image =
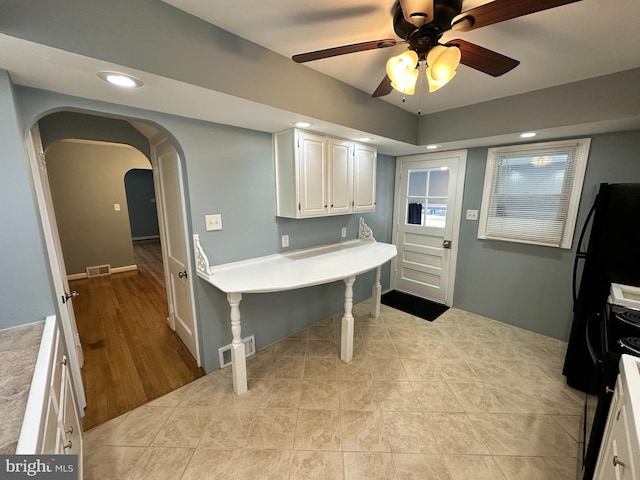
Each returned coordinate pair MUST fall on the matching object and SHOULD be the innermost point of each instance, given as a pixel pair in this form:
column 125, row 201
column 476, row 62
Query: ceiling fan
column 421, row 24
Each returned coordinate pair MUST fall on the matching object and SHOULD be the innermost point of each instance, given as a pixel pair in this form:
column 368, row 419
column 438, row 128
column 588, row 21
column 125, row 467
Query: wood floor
column 131, row 355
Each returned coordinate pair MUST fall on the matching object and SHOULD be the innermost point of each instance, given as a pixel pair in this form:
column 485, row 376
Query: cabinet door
column 51, row 438
column 364, row 166
column 71, row 424
column 312, row 164
column 340, row 176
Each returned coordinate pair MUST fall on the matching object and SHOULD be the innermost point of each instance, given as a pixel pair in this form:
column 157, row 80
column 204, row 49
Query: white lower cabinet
column 52, row 422
column 619, row 455
column 318, row 176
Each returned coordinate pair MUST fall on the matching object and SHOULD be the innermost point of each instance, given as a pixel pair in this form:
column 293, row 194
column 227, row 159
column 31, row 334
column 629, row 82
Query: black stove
column 621, row 334
column 630, row 345
column 621, row 323
column 628, row 317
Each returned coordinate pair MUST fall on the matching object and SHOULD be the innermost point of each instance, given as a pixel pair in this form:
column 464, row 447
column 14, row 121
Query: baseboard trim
column 126, row 268
column 150, row 237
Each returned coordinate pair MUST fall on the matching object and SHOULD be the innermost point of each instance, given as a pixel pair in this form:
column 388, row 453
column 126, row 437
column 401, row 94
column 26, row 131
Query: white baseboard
column 126, row 268
column 76, row 276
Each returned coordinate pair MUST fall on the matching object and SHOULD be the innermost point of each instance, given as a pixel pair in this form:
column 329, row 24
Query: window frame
column 580, row 148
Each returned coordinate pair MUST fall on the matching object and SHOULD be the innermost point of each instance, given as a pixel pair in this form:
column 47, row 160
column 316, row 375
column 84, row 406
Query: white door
column 175, row 245
column 63, row 294
column 426, row 223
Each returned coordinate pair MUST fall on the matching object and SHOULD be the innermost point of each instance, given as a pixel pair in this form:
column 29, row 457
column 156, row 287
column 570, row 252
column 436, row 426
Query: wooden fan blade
column 333, row 52
column 501, row 10
column 482, row 59
column 384, row 88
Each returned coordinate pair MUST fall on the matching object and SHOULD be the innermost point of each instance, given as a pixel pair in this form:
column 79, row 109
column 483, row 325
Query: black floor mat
column 425, row 309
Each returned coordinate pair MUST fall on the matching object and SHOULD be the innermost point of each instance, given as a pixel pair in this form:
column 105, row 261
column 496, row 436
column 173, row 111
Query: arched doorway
column 125, row 365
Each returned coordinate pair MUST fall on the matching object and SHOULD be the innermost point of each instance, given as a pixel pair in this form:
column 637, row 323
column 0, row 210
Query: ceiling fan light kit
column 442, row 63
column 402, row 71
column 422, row 23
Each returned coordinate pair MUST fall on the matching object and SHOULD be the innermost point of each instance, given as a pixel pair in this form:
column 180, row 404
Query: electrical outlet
column 285, row 241
column 213, row 222
column 116, row 207
column 472, row 214
column 343, row 232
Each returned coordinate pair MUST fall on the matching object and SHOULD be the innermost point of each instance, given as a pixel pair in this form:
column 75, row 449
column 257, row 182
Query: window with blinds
column 531, row 192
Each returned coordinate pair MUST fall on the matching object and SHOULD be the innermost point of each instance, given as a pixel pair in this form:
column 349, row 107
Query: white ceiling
column 573, row 42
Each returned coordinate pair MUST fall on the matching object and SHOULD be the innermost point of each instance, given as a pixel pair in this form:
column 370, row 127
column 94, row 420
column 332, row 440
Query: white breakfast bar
column 289, row 271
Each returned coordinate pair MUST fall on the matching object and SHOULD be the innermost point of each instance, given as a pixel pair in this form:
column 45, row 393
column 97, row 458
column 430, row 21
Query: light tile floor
column 460, row 398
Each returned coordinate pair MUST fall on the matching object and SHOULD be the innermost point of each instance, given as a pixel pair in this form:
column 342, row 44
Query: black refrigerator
column 612, row 255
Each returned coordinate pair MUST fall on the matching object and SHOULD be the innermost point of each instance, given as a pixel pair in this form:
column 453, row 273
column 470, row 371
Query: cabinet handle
column 70, row 430
column 608, row 389
column 617, row 462
column 67, row 445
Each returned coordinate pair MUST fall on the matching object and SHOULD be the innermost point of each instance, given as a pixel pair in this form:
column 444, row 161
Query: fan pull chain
column 420, row 81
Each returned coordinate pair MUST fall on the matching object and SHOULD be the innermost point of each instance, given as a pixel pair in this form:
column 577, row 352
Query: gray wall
column 25, row 292
column 230, row 171
column 141, row 203
column 527, row 285
column 86, row 180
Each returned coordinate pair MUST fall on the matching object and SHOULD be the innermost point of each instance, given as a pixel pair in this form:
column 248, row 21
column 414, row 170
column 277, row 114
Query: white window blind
column 531, row 192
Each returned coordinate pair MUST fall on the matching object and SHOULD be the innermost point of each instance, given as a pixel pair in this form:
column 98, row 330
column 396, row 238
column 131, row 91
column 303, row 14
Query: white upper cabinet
column 340, row 176
column 318, row 176
column 364, row 165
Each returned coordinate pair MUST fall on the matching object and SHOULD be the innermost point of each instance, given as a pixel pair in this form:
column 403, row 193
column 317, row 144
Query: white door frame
column 398, row 213
column 155, row 142
column 35, row 154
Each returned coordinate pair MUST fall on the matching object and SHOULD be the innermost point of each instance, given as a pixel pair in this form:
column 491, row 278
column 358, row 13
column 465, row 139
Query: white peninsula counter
column 293, row 270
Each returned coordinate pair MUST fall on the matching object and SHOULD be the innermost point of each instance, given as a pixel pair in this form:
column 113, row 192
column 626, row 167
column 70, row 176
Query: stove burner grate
column 630, row 345
column 629, row 317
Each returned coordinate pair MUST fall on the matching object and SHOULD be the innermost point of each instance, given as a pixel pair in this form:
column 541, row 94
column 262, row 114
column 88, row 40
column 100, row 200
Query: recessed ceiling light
column 528, row 135
column 121, row 79
column 302, row 124
column 365, row 139
column 433, row 147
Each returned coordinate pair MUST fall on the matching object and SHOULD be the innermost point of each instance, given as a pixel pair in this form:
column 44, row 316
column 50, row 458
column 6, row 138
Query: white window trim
column 582, row 145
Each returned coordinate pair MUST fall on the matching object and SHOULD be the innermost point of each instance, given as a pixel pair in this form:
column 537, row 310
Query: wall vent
column 98, row 271
column 225, row 352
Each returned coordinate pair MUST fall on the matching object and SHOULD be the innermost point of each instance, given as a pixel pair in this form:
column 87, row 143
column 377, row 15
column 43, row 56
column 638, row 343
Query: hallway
column 131, row 355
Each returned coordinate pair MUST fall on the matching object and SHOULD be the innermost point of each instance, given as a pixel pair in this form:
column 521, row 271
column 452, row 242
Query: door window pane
column 427, row 195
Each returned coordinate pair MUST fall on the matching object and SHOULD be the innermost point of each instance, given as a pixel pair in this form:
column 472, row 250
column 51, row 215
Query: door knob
column 182, row 274
column 446, row 244
column 69, row 296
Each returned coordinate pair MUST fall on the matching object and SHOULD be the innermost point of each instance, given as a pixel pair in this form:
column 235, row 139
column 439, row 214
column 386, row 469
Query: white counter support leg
column 238, row 360
column 346, row 343
column 376, row 293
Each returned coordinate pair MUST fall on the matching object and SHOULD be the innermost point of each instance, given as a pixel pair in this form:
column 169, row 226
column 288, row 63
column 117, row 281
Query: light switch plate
column 213, row 222
column 116, row 207
column 472, row 214
column 285, row 241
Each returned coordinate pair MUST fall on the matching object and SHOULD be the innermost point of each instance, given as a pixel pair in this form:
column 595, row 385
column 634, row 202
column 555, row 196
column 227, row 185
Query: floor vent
column 225, row 352
column 98, row 271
